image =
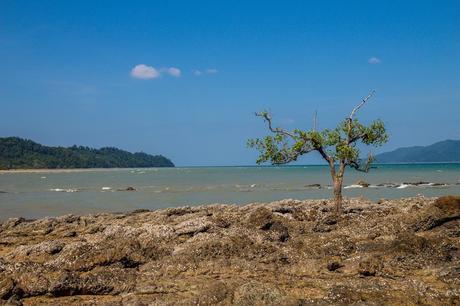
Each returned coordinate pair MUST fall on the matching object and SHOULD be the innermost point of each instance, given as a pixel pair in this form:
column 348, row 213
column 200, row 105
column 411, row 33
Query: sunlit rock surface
column 282, row 253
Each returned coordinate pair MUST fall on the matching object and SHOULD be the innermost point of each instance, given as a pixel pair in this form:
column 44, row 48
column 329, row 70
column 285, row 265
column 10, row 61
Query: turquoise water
column 34, row 195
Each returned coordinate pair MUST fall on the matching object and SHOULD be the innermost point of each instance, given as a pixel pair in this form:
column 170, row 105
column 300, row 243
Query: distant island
column 443, row 151
column 18, row 153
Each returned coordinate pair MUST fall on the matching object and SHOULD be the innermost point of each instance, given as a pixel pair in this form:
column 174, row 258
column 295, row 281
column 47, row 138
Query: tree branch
column 363, row 101
column 353, row 139
column 277, row 130
column 314, row 120
column 355, row 165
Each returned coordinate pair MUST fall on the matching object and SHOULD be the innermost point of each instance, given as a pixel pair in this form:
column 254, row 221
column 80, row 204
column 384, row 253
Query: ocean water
column 34, row 195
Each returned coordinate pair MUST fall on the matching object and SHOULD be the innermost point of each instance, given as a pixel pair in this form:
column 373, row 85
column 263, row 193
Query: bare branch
column 314, row 121
column 362, row 168
column 363, row 101
column 276, row 130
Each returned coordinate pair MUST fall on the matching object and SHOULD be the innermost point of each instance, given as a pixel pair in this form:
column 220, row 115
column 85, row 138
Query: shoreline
column 286, row 252
column 71, row 170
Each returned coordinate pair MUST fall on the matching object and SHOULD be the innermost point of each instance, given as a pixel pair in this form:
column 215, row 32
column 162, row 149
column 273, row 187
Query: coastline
column 279, row 253
column 70, row 170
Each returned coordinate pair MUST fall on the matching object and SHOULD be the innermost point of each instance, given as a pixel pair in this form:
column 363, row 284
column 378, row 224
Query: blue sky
column 68, row 72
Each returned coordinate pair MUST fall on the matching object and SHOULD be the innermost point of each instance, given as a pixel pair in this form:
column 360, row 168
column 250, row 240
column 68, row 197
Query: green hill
column 18, row 153
column 443, row 151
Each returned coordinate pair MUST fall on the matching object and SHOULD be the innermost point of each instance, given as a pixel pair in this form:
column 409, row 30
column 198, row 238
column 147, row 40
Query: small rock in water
column 130, row 188
column 362, row 183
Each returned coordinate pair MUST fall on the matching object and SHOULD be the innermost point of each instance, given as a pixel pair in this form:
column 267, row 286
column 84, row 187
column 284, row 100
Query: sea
column 52, row 193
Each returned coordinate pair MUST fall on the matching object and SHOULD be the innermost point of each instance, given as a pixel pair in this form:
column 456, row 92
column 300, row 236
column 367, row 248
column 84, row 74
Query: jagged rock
column 179, row 211
column 12, row 222
column 370, row 266
column 260, row 217
column 283, row 210
column 255, row 293
column 6, row 287
column 193, row 226
column 272, row 253
column 70, row 234
column 332, row 266
column 443, row 210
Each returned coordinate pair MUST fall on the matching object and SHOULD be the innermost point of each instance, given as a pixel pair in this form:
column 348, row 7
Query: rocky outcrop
column 289, row 252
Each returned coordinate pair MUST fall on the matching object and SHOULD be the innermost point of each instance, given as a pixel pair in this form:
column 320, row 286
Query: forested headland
column 19, row 153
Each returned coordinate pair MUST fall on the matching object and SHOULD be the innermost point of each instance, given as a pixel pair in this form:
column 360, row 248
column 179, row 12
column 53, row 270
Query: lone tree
column 338, row 147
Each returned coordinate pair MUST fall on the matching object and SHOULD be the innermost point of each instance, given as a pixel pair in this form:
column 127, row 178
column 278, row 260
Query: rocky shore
column 290, row 252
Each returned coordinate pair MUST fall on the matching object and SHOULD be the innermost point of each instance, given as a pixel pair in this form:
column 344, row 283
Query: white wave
column 64, row 190
column 352, row 186
column 402, row 186
column 253, row 185
column 43, row 177
column 106, row 188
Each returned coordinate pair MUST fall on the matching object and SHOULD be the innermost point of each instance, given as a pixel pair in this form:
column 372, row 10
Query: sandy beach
column 289, row 252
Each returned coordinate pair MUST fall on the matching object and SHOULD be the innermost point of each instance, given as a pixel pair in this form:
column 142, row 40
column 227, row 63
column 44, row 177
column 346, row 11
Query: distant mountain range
column 18, row 153
column 443, row 151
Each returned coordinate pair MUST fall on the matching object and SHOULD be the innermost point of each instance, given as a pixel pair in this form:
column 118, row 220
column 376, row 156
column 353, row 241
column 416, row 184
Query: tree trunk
column 338, row 194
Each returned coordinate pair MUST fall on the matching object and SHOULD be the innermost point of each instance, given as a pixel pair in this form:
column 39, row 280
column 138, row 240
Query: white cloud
column 173, row 71
column 144, row 72
column 206, row 71
column 211, row 71
column 374, row 60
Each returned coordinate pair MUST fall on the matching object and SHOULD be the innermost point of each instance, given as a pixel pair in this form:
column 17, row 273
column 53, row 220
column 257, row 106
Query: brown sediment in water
column 290, row 252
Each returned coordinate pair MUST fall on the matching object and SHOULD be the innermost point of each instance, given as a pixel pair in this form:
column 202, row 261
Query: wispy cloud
column 173, row 71
column 374, row 60
column 211, row 71
column 144, row 72
column 198, row 72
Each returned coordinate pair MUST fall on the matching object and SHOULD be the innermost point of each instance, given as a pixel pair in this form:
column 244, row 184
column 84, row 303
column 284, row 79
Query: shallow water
column 34, row 195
